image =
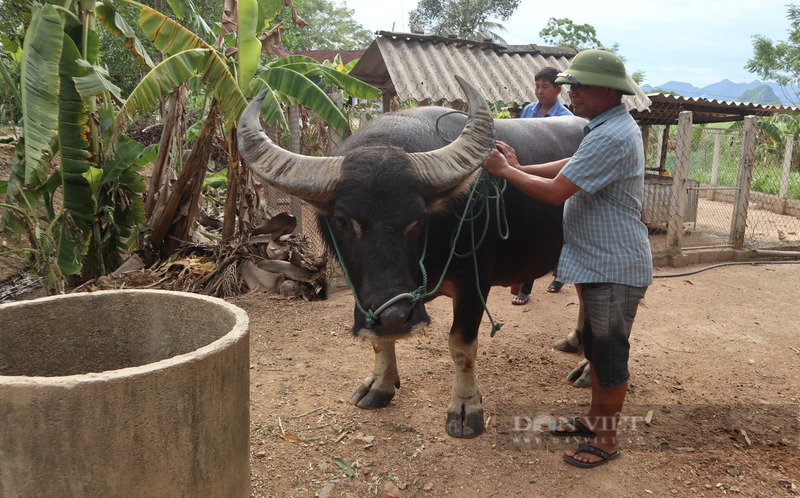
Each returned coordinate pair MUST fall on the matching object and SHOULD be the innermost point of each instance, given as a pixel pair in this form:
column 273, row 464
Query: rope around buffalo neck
column 485, row 189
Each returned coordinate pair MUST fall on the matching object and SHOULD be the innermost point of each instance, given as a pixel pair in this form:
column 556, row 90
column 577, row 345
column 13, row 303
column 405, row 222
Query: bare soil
column 714, row 356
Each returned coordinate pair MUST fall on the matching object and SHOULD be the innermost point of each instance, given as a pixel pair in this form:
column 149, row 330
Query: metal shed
column 420, row 67
column 664, row 109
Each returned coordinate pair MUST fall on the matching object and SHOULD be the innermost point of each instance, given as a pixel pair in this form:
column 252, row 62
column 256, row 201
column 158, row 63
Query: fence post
column 295, row 204
column 680, row 179
column 335, row 137
column 715, row 161
column 659, row 146
column 742, row 201
column 787, row 168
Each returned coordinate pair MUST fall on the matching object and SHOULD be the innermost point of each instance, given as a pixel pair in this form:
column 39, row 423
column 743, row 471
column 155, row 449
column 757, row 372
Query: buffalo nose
column 393, row 319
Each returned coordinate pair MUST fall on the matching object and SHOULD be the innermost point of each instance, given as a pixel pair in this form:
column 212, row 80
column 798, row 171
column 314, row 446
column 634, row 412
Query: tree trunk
column 182, row 206
column 173, row 126
column 231, row 201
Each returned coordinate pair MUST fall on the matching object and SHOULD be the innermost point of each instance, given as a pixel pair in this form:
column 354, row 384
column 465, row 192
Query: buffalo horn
column 444, row 168
column 309, row 178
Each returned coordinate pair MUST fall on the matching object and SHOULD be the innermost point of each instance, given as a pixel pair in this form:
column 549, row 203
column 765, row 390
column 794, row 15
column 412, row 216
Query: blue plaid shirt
column 604, row 237
column 532, row 111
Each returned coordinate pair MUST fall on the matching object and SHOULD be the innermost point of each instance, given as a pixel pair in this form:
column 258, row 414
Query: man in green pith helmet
column 606, row 253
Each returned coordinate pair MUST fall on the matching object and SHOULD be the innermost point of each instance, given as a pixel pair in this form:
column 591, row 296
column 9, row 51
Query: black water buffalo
column 397, row 178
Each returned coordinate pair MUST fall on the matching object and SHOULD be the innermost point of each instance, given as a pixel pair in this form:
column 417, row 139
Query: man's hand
column 496, row 164
column 499, row 163
column 509, row 152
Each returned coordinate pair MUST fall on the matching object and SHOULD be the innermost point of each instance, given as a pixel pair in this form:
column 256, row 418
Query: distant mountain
column 762, row 94
column 726, row 90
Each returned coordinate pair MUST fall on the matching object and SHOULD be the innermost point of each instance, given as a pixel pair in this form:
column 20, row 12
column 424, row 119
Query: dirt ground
column 714, row 357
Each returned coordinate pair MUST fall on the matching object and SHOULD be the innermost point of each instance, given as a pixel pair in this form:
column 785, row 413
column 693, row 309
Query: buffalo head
column 375, row 195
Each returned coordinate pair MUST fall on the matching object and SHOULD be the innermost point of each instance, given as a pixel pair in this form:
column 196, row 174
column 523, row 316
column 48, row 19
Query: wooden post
column 787, row 168
column 386, row 97
column 715, row 160
column 742, row 201
column 663, row 145
column 680, row 178
column 295, row 204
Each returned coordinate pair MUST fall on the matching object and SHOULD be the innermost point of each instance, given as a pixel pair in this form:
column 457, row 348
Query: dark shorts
column 609, row 310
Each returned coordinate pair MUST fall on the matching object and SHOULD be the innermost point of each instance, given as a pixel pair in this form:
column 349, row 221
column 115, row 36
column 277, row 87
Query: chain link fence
column 737, row 189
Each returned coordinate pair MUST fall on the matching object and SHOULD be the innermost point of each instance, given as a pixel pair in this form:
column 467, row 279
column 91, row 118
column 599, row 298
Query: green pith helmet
column 598, row 68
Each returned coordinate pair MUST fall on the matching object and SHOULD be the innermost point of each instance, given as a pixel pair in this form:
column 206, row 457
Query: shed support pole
column 715, row 161
column 680, row 178
column 663, row 145
column 742, row 201
column 387, row 101
column 787, row 169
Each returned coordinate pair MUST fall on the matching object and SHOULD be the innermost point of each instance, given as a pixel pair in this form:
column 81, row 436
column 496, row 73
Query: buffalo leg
column 378, row 388
column 465, row 413
column 581, row 375
column 573, row 342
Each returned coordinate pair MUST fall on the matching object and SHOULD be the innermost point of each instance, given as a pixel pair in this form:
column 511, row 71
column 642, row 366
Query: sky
column 694, row 41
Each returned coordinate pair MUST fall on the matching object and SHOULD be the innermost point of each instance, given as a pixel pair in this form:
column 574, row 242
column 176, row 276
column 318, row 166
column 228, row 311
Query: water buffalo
column 398, row 178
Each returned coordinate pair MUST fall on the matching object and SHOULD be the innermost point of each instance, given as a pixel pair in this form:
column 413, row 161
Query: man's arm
column 546, row 170
column 554, row 190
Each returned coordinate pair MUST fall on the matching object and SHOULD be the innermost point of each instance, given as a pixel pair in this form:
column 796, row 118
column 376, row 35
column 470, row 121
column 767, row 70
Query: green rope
column 485, row 189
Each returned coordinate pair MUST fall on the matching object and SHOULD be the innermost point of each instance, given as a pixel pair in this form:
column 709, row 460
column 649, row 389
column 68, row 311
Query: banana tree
column 231, row 71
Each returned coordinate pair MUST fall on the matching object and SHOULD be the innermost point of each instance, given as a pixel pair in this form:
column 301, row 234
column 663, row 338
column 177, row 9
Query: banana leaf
column 305, row 92
column 76, row 232
column 270, row 109
column 353, row 86
column 267, row 11
column 39, row 81
column 112, row 21
column 95, row 82
column 172, row 38
column 167, row 35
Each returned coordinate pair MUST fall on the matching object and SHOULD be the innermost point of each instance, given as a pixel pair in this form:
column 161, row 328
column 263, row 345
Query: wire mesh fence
column 720, row 187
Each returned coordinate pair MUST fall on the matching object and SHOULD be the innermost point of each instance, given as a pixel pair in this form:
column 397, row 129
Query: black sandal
column 520, row 299
column 582, row 431
column 588, row 448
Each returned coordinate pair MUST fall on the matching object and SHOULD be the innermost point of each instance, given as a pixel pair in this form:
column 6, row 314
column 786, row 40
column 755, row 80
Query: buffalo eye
column 340, row 222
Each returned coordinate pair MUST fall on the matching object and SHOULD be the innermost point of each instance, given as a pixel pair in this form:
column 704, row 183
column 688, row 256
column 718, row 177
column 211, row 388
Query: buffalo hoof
column 465, row 425
column 368, row 396
column 582, row 375
column 570, row 344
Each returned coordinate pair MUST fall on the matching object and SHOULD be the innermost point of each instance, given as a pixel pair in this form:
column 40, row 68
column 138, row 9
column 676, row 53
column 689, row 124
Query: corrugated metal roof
column 664, row 109
column 419, row 67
